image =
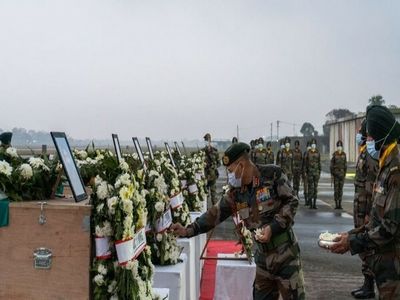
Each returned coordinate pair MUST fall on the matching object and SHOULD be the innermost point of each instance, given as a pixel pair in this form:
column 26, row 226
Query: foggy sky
column 178, row 69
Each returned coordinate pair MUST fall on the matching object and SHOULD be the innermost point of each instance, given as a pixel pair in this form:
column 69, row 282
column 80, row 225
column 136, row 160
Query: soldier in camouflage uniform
column 211, row 168
column 366, row 171
column 286, row 161
column 297, row 167
column 279, row 153
column 270, row 154
column 381, row 236
column 304, row 174
column 5, row 139
column 338, row 172
column 264, row 200
column 252, row 149
column 313, row 170
column 259, row 156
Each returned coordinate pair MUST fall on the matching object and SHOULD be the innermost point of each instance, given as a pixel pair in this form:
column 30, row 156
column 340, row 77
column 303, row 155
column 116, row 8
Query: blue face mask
column 371, row 149
column 233, row 181
column 359, row 139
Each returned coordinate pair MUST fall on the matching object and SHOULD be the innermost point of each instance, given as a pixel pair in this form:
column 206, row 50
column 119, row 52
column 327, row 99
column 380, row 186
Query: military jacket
column 270, row 157
column 279, row 157
column 313, row 162
column 366, row 170
column 297, row 160
column 382, row 233
column 339, row 164
column 268, row 201
column 212, row 162
column 260, row 156
column 287, row 161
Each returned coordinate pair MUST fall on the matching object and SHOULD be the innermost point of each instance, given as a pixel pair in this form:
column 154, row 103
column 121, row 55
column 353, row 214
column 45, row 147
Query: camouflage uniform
column 381, row 236
column 269, row 201
column 260, row 156
column 297, row 169
column 286, row 163
column 270, row 156
column 338, row 172
column 313, row 170
column 304, row 177
column 211, row 170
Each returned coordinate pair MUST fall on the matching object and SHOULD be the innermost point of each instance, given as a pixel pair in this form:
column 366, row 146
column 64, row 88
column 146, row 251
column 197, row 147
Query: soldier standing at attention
column 297, row 167
column 252, row 149
column 338, row 172
column 304, row 174
column 366, row 172
column 260, row 153
column 264, row 200
column 279, row 153
column 286, row 162
column 381, row 236
column 313, row 170
column 270, row 154
column 211, row 168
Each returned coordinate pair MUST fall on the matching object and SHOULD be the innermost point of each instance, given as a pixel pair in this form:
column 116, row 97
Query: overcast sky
column 178, row 69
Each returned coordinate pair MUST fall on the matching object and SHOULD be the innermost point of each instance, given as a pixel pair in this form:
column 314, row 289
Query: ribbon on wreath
column 103, row 248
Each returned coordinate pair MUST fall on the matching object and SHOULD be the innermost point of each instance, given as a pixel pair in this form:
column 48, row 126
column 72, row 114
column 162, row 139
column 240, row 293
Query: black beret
column 313, row 141
column 381, row 123
column 207, row 136
column 5, row 138
column 287, row 139
column 297, row 142
column 233, row 152
column 339, row 143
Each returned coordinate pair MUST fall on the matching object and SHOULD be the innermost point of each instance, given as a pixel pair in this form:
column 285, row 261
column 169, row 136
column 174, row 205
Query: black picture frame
column 139, row 152
column 117, row 147
column 150, row 147
column 178, row 149
column 170, row 154
column 70, row 169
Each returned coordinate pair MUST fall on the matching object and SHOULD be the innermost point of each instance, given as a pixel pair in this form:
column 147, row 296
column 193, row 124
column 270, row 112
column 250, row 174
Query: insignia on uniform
column 394, row 168
column 225, row 160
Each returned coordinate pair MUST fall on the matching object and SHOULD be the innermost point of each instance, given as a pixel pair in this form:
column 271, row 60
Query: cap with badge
column 234, row 152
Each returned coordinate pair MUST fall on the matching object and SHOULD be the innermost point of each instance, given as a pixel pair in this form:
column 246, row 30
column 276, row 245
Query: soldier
column 366, row 172
column 338, row 172
column 211, row 169
column 313, row 170
column 286, row 161
column 304, row 174
column 234, row 140
column 252, row 149
column 381, row 236
column 260, row 153
column 5, row 139
column 279, row 153
column 270, row 154
column 264, row 199
column 297, row 167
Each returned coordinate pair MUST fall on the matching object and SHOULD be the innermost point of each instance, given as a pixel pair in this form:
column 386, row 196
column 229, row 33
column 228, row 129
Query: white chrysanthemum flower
column 102, row 190
column 124, row 165
column 101, row 269
column 5, row 168
column 135, row 156
column 125, row 193
column 99, row 207
column 160, row 184
column 114, row 297
column 26, row 171
column 133, row 265
column 127, row 206
column 37, row 163
column 12, row 152
column 111, row 202
column 159, row 206
column 125, row 179
column 99, row 157
column 82, row 154
column 128, row 227
column 97, row 180
column 99, row 279
column 111, row 287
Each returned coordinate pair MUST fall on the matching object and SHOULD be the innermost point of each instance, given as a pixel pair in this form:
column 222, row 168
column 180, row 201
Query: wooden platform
column 66, row 232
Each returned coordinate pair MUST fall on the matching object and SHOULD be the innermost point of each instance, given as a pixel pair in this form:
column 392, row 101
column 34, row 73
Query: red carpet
column 207, row 285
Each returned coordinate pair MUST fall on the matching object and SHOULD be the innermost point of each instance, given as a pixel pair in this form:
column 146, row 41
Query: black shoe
column 353, row 292
column 314, row 207
column 364, row 294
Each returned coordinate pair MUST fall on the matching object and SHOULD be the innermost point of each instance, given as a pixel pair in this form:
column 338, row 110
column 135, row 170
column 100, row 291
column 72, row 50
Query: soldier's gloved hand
column 341, row 244
column 265, row 235
column 178, row 230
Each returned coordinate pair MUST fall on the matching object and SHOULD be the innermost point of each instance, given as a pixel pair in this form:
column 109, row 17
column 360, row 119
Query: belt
column 275, row 241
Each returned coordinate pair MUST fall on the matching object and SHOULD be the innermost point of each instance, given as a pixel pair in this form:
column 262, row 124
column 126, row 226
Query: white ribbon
column 102, row 247
column 193, row 188
column 198, row 176
column 124, row 251
column 183, row 183
column 176, row 200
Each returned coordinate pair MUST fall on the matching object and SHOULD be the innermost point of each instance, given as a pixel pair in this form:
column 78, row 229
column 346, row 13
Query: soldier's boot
column 336, row 204
column 314, row 203
column 340, row 203
column 367, row 290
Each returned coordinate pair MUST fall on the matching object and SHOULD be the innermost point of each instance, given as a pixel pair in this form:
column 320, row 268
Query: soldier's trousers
column 305, row 188
column 361, row 206
column 312, row 185
column 296, row 181
column 279, row 272
column 212, row 186
column 338, row 183
column 386, row 270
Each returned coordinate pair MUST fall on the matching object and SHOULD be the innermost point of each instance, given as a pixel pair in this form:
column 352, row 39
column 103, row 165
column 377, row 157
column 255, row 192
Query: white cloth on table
column 189, row 249
column 234, row 279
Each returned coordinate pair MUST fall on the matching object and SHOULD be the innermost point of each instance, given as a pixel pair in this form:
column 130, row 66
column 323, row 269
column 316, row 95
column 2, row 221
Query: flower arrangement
column 27, row 179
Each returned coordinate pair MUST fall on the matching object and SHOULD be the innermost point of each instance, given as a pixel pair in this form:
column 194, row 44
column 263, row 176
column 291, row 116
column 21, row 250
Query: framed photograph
column 70, row 168
column 177, row 149
column 117, row 147
column 170, row 154
column 150, row 147
column 139, row 152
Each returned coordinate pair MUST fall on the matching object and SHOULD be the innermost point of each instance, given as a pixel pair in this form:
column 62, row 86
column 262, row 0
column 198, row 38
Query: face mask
column 287, row 145
column 282, row 146
column 340, row 148
column 233, row 181
column 308, row 148
column 314, row 146
column 371, row 149
column 359, row 139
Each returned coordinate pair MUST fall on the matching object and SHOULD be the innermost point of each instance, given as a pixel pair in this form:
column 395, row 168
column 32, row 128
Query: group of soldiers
column 296, row 164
